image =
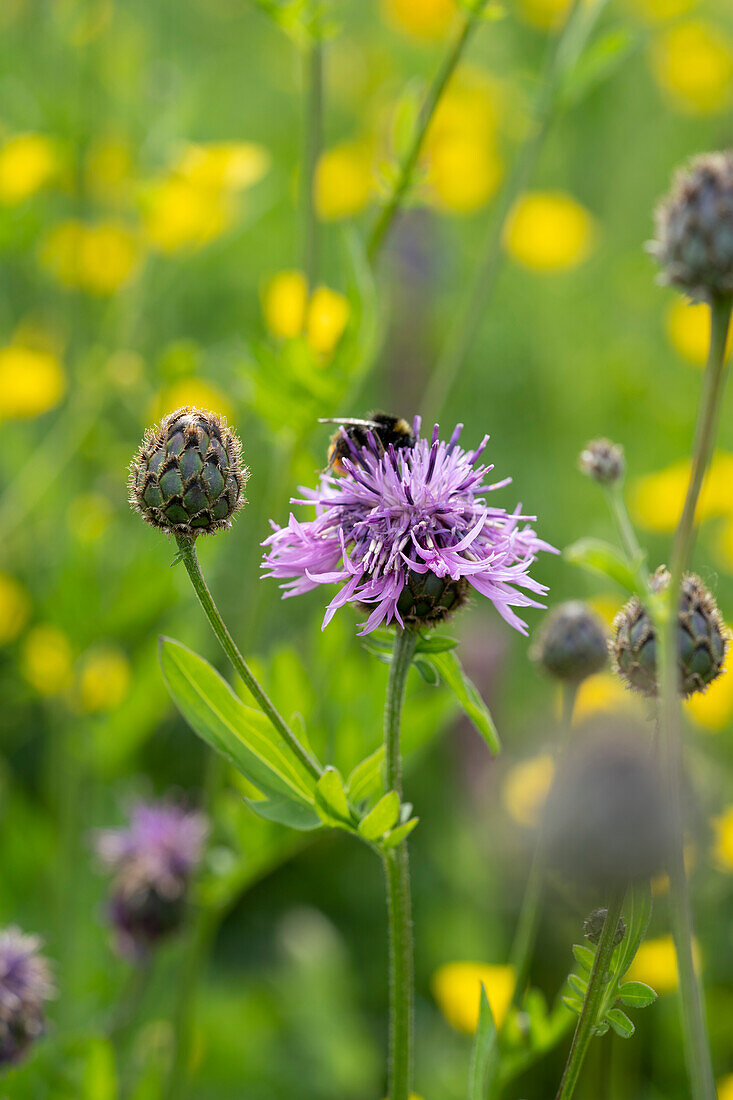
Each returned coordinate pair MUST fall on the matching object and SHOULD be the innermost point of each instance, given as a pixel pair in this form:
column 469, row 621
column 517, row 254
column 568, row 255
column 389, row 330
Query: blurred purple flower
column 25, row 984
column 398, row 515
column 153, row 860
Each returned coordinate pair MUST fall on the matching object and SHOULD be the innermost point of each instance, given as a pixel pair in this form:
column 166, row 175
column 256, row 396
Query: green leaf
column 381, row 819
column 637, row 912
column 100, row 1075
column 584, row 956
column 285, row 811
column 366, row 777
column 428, row 671
column 601, row 1029
column 435, row 643
column 400, row 833
column 331, row 801
column 241, row 734
column 620, row 1023
column 597, row 556
column 573, row 1003
column 579, row 985
column 484, row 1048
column 636, row 994
column 452, row 674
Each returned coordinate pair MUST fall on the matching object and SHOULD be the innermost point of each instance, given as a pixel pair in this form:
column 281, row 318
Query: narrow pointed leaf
column 331, row 802
column 579, row 985
column 382, row 818
column 366, row 777
column 286, row 811
column 584, row 956
column 400, row 833
column 465, row 691
column 435, row 643
column 597, row 556
column 428, row 671
column 573, row 1003
column 484, row 1049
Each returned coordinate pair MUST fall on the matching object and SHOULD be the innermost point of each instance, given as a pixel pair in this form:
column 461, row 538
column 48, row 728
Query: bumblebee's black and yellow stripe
column 388, row 430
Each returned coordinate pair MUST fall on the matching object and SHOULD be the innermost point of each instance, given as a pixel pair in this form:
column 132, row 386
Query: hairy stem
column 593, row 1002
column 190, row 560
column 697, row 1043
column 312, row 140
column 397, row 879
column 433, row 95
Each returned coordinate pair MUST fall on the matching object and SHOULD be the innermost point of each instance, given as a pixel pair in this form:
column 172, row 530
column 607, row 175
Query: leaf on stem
column 451, row 673
column 597, row 556
column 332, row 804
column 382, row 818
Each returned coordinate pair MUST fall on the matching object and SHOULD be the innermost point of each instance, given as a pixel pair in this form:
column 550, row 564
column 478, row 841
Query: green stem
column 472, row 308
column 187, row 548
column 397, row 879
column 697, row 1043
column 594, row 999
column 313, row 135
column 433, row 95
column 620, row 514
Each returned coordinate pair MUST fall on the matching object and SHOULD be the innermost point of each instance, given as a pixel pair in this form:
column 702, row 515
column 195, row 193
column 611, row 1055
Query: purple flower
column 153, row 860
column 409, row 531
column 25, row 985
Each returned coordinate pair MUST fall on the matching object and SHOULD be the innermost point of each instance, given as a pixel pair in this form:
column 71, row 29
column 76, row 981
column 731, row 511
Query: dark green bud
column 694, row 229
column 593, row 927
column 572, row 643
column 603, row 461
column 428, row 599
column 187, row 477
column 702, row 640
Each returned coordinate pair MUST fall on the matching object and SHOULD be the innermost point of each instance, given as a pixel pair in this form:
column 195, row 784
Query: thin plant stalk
column 472, row 308
column 312, row 142
column 397, row 879
column 697, row 1043
column 620, row 513
column 392, row 207
column 187, row 551
column 593, row 1000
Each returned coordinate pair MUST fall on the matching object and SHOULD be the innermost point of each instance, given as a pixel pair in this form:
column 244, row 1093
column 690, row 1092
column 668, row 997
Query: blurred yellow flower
column 660, row 883
column 463, row 173
column 15, row 608
column 344, row 181
column 469, row 108
column 103, row 680
column 693, row 64
column 27, row 163
column 326, row 319
column 457, row 990
column 659, row 11
column 525, row 788
column 606, row 606
column 656, row 499
column 713, row 709
column 604, row 694
column 549, row 231
column 32, row 381
column 190, row 391
column 545, row 14
column 108, row 169
column 223, row 166
column 656, row 964
column 284, row 303
column 88, row 517
column 725, row 1088
column 688, row 328
column 425, row 19
column 46, row 660
column 179, row 215
column 723, row 849
column 98, row 258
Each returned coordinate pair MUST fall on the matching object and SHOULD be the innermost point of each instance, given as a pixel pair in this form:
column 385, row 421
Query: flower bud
column 25, row 985
column 694, row 228
column 187, row 477
column 428, row 599
column 603, row 461
column 572, row 642
column 593, row 927
column 702, row 640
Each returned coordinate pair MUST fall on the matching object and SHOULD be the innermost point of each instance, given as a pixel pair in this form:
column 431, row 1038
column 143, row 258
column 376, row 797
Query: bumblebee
column 387, row 430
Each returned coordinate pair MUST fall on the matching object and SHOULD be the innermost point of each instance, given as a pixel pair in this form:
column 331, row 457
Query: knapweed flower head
column 603, row 461
column 572, row 643
column 187, row 477
column 408, row 533
column 694, row 228
column 152, row 860
column 25, row 986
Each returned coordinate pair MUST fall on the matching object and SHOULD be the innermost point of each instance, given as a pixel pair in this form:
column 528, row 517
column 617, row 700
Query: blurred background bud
column 571, row 643
column 603, row 461
column 25, row 985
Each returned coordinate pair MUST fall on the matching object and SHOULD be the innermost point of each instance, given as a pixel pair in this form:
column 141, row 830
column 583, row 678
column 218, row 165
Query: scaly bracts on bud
column 593, row 927
column 187, row 478
column 571, row 643
column 25, row 986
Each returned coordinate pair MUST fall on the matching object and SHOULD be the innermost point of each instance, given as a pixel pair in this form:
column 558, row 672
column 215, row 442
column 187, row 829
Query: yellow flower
column 46, row 660
column 604, row 694
column 103, row 680
column 693, row 64
column 606, row 606
column 463, row 174
column 179, row 215
column 725, row 1088
column 545, row 14
column 326, row 319
column 425, row 19
column 656, row 499
column 109, row 169
column 713, row 709
column 656, row 964
column 284, row 303
column 190, row 391
column 457, row 990
column 32, row 381
column 27, row 163
column 469, row 108
column 98, row 258
column 525, row 788
column 15, row 608
column 723, row 826
column 344, row 181
column 88, row 517
column 688, row 328
column 549, row 231
column 223, row 166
